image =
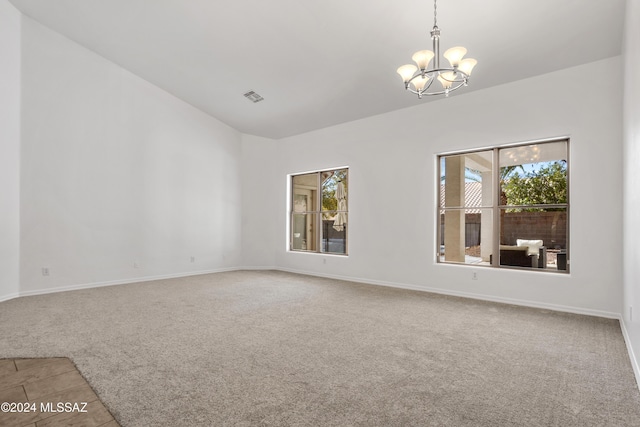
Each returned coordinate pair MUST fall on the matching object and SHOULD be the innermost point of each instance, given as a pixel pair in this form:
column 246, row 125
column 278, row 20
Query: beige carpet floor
column 254, row 348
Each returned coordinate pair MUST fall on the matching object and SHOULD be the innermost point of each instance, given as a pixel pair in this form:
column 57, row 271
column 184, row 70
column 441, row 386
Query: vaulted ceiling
column 320, row 63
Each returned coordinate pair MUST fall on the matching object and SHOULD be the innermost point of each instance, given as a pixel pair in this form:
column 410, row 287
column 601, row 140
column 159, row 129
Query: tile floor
column 48, row 392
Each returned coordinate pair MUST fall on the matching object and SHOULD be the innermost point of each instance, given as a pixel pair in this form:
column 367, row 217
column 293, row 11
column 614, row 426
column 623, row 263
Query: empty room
column 296, row 213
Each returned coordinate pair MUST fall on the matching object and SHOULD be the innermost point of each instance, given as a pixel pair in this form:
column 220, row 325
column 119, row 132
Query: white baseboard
column 9, row 296
column 513, row 301
column 120, row 282
column 258, row 268
column 525, row 303
column 632, row 356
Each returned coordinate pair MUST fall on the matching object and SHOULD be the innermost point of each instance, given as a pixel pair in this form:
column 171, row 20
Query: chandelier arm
column 425, row 89
column 434, row 72
column 456, row 71
column 445, row 91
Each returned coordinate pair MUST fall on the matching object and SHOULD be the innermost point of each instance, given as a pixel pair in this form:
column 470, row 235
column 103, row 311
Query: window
column 505, row 207
column 319, row 211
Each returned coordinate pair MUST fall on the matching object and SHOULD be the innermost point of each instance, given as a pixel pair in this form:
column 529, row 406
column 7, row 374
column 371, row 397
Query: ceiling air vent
column 253, row 97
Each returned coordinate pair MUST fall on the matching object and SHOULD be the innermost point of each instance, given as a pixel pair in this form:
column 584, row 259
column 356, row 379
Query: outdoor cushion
column 533, row 245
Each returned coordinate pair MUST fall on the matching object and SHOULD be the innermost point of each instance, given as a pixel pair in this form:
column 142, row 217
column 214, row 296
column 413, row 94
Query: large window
column 505, row 207
column 319, row 211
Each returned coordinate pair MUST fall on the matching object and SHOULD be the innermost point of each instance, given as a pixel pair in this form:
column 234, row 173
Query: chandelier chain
column 435, row 13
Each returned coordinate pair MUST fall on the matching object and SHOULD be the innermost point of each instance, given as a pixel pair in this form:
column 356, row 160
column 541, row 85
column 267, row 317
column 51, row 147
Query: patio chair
column 537, row 249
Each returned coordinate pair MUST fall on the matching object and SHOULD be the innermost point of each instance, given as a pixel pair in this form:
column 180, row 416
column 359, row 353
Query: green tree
column 329, row 186
column 547, row 185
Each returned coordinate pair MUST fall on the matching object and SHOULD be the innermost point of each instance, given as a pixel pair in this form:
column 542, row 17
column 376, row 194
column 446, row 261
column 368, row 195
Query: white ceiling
column 320, row 63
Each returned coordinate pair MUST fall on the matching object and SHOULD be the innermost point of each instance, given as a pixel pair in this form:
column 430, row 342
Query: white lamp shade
column 447, row 79
column 406, row 72
column 455, row 54
column 422, row 58
column 420, row 82
column 466, row 65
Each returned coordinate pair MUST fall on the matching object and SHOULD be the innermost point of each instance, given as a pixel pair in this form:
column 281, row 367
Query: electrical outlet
column 193, row 259
column 45, row 271
column 474, row 275
column 136, row 265
column 324, row 260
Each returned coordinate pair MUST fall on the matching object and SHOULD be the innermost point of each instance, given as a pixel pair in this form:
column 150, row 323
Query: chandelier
column 419, row 80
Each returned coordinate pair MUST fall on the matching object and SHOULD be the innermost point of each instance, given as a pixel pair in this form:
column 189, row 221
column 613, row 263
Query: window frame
column 317, row 212
column 496, row 207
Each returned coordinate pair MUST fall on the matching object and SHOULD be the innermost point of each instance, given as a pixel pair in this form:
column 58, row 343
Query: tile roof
column 472, row 196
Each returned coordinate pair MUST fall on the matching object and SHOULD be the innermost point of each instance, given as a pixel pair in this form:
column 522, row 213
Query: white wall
column 392, row 187
column 259, row 231
column 631, row 249
column 9, row 150
column 116, row 172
